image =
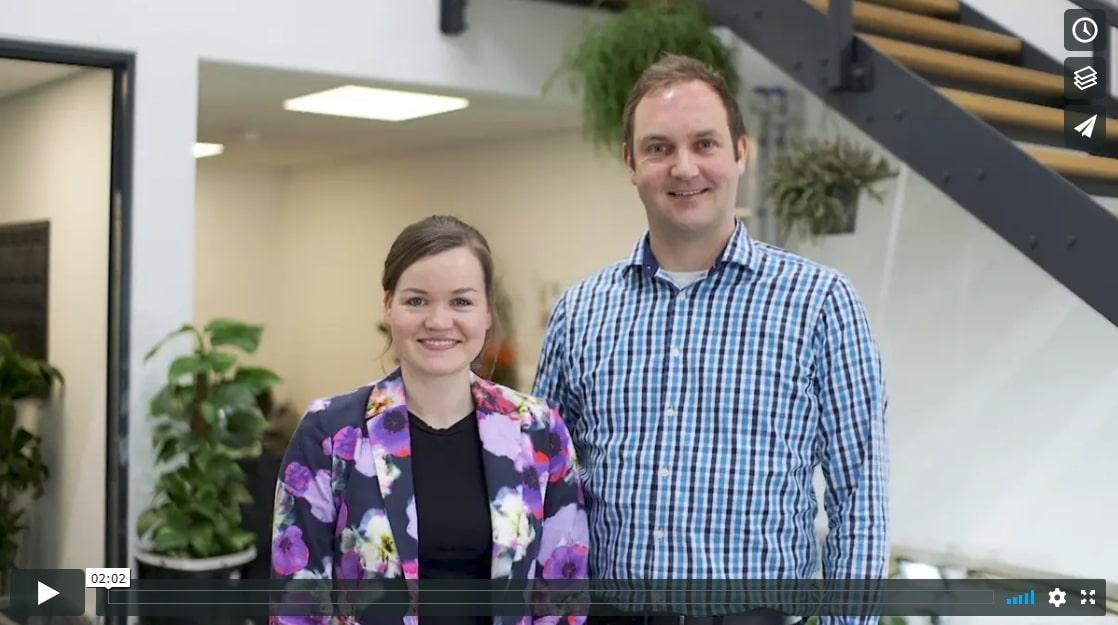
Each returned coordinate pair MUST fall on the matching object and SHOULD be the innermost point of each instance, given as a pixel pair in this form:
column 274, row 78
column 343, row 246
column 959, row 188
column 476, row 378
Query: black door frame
column 123, row 66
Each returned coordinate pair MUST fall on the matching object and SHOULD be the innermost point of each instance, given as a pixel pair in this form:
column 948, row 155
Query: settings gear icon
column 1057, row 597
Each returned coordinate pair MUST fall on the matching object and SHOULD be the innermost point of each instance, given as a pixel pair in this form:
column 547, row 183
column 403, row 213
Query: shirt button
column 676, row 352
column 664, row 472
column 659, row 534
column 669, row 411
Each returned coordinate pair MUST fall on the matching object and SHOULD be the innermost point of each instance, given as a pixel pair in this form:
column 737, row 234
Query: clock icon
column 1085, row 30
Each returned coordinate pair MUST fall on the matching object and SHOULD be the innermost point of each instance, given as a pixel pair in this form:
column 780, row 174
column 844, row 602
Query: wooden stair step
column 968, row 68
column 1005, row 111
column 881, row 19
column 939, row 8
column 1071, row 163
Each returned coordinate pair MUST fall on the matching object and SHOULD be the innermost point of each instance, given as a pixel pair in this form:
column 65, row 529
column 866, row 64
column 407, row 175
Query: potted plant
column 22, row 471
column 816, row 185
column 206, row 420
column 612, row 53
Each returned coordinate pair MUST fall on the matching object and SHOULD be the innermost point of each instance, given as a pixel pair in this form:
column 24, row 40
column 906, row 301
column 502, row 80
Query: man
column 705, row 378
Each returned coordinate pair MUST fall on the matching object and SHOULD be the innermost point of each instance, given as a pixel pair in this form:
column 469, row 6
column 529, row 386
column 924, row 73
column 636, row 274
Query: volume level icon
column 1025, row 598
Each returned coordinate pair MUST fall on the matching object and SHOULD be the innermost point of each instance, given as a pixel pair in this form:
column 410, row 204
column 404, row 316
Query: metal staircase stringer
column 1043, row 215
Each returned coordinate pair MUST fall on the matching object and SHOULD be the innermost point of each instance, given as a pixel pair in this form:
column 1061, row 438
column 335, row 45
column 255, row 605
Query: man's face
column 682, row 160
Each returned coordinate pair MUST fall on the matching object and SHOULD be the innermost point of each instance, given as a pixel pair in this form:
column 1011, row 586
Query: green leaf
column 239, row 334
column 147, row 521
column 209, row 413
column 221, row 362
column 241, row 540
column 202, row 541
column 168, row 539
column 231, row 396
column 257, row 379
column 187, row 365
column 244, row 428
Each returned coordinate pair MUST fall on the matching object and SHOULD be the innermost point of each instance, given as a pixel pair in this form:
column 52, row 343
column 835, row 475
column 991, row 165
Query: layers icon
column 1085, row 77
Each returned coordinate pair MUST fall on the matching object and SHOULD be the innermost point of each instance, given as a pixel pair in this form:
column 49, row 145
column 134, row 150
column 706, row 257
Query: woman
column 431, row 472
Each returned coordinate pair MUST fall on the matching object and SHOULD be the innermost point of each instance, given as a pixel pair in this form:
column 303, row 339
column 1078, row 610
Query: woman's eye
column 462, row 302
column 413, row 301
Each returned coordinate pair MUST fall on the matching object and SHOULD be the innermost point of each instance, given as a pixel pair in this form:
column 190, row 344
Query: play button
column 46, row 593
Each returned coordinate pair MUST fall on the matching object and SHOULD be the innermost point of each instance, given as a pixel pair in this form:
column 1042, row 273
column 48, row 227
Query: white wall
column 505, row 50
column 55, row 166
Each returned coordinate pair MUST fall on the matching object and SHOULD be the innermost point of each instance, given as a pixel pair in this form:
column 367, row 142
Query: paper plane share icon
column 1086, row 128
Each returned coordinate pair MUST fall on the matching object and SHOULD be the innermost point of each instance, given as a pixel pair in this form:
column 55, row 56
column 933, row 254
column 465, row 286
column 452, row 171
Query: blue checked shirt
column 700, row 414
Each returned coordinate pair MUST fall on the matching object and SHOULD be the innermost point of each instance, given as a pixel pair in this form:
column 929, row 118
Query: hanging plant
column 816, row 185
column 612, row 54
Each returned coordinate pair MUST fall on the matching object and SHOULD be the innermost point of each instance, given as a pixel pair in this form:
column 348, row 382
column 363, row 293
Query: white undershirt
column 684, row 279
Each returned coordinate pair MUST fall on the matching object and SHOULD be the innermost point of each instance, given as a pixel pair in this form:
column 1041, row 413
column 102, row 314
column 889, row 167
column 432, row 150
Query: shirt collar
column 740, row 251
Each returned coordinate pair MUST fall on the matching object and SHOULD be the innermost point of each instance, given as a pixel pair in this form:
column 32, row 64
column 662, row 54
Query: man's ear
column 743, row 151
column 627, row 156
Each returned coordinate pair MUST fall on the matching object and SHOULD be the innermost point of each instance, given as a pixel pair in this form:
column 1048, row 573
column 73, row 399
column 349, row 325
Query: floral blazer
column 345, row 501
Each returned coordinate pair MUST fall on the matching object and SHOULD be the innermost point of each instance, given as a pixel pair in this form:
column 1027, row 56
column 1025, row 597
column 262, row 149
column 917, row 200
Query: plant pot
column 847, row 213
column 156, row 566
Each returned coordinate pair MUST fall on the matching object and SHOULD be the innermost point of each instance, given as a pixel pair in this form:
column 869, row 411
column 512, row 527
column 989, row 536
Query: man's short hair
column 673, row 69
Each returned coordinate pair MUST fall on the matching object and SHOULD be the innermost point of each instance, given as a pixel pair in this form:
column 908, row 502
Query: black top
column 451, row 504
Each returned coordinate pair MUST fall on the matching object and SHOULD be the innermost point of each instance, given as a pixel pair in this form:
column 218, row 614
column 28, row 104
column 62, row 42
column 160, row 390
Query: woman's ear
column 388, row 307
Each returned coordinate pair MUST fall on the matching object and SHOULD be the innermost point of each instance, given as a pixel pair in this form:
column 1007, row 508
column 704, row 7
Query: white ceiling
column 242, row 107
column 18, row 76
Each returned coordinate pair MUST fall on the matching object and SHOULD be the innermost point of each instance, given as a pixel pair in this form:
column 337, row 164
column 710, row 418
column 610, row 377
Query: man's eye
column 657, row 148
column 707, row 144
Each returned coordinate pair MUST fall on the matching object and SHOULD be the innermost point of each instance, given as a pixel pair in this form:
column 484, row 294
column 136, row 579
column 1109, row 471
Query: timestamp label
column 108, row 578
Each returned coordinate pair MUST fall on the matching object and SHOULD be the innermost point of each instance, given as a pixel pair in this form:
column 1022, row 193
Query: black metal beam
column 1036, row 210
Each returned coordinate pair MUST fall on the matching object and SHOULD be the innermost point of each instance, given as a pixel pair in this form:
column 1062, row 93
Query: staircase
column 924, row 36
column 973, row 109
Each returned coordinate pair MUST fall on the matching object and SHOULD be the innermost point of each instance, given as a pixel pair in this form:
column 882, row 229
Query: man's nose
column 684, row 166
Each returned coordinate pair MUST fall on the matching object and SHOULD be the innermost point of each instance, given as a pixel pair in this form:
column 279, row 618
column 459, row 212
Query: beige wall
column 329, row 229
column 55, row 166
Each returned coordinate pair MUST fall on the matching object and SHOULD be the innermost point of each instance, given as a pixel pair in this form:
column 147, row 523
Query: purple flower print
column 350, row 567
column 317, row 619
column 296, row 478
column 501, row 439
column 289, row 553
column 533, row 498
column 320, row 497
column 391, row 431
column 363, row 459
column 345, row 441
column 489, row 399
column 560, row 458
column 411, row 568
column 567, row 526
column 567, row 563
column 343, row 519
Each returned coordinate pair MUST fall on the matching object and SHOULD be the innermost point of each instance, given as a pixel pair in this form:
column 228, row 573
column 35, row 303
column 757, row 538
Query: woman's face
column 438, row 314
